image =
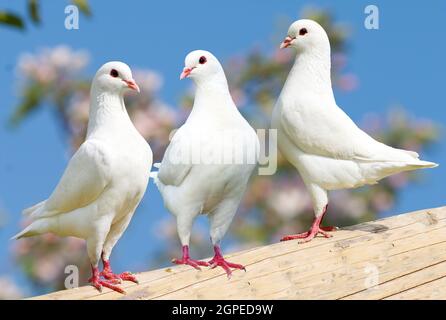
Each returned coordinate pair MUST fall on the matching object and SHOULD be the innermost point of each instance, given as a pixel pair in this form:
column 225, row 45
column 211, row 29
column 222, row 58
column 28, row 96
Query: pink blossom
column 382, row 201
column 51, row 64
column 339, row 60
column 148, row 81
column 289, row 202
column 283, row 56
column 398, row 180
column 9, row 289
column 47, row 269
column 348, row 82
column 239, row 97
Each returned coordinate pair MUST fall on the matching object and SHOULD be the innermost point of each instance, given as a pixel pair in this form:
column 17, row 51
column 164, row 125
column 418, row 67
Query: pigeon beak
column 287, row 42
column 132, row 85
column 185, row 73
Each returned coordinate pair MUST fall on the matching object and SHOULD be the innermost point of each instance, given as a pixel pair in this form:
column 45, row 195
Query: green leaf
column 32, row 97
column 11, row 19
column 33, row 11
column 83, row 6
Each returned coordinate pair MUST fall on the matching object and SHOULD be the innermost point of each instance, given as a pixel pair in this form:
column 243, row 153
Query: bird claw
column 114, row 280
column 108, row 274
column 219, row 261
column 311, row 234
column 191, row 262
column 98, row 284
column 118, row 278
column 128, row 276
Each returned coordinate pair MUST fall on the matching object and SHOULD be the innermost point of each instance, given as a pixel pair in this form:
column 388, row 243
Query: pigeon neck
column 216, row 84
column 212, row 93
column 311, row 72
column 105, row 107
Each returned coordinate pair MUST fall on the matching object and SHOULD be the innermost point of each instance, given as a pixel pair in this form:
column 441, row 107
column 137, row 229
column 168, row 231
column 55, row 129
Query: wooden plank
column 390, row 258
column 431, row 290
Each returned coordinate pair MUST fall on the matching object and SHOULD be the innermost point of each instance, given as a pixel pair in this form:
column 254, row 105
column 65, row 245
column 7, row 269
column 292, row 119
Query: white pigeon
column 201, row 172
column 104, row 180
column 318, row 138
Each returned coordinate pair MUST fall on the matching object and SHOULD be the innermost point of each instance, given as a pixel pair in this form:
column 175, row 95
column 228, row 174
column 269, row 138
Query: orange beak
column 185, row 73
column 132, row 85
column 287, row 42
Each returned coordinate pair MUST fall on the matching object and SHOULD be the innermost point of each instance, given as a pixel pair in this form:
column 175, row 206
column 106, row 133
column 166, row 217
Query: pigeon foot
column 311, row 234
column 98, row 283
column 316, row 229
column 219, row 261
column 188, row 261
column 108, row 274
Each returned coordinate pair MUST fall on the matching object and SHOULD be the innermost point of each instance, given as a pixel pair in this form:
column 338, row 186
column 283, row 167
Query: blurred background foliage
column 273, row 205
column 20, row 21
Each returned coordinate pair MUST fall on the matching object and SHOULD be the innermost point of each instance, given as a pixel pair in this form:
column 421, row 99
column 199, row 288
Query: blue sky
column 401, row 63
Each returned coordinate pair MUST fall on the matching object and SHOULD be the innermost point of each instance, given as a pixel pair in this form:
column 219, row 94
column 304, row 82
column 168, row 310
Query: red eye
column 114, row 73
column 202, row 60
column 303, row 31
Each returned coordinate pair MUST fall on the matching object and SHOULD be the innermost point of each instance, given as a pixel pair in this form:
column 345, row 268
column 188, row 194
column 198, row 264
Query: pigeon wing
column 84, row 180
column 175, row 165
column 326, row 130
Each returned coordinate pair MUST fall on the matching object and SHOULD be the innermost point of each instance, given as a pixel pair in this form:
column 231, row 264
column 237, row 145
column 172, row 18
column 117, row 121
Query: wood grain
column 401, row 257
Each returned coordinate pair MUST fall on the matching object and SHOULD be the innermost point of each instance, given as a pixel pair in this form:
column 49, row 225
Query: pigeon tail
column 158, row 183
column 34, row 210
column 22, row 234
column 421, row 164
column 37, row 227
column 154, row 176
column 378, row 171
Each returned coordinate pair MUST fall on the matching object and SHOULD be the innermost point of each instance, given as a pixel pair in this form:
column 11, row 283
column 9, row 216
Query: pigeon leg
column 219, row 261
column 313, row 232
column 187, row 260
column 108, row 274
column 96, row 282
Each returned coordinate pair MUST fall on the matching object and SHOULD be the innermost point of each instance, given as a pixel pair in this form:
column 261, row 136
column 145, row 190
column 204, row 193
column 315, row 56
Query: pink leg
column 313, row 232
column 96, row 281
column 219, row 261
column 187, row 260
column 108, row 274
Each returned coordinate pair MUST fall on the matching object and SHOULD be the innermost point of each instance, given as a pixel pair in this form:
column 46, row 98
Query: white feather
column 317, row 137
column 190, row 188
column 104, row 180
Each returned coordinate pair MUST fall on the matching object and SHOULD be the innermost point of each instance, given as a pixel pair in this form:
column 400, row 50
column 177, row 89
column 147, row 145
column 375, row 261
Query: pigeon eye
column 303, row 31
column 202, row 60
column 114, row 73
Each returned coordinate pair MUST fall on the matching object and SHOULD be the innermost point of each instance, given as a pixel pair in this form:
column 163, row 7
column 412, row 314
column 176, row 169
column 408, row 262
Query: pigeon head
column 201, row 65
column 306, row 35
column 115, row 77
